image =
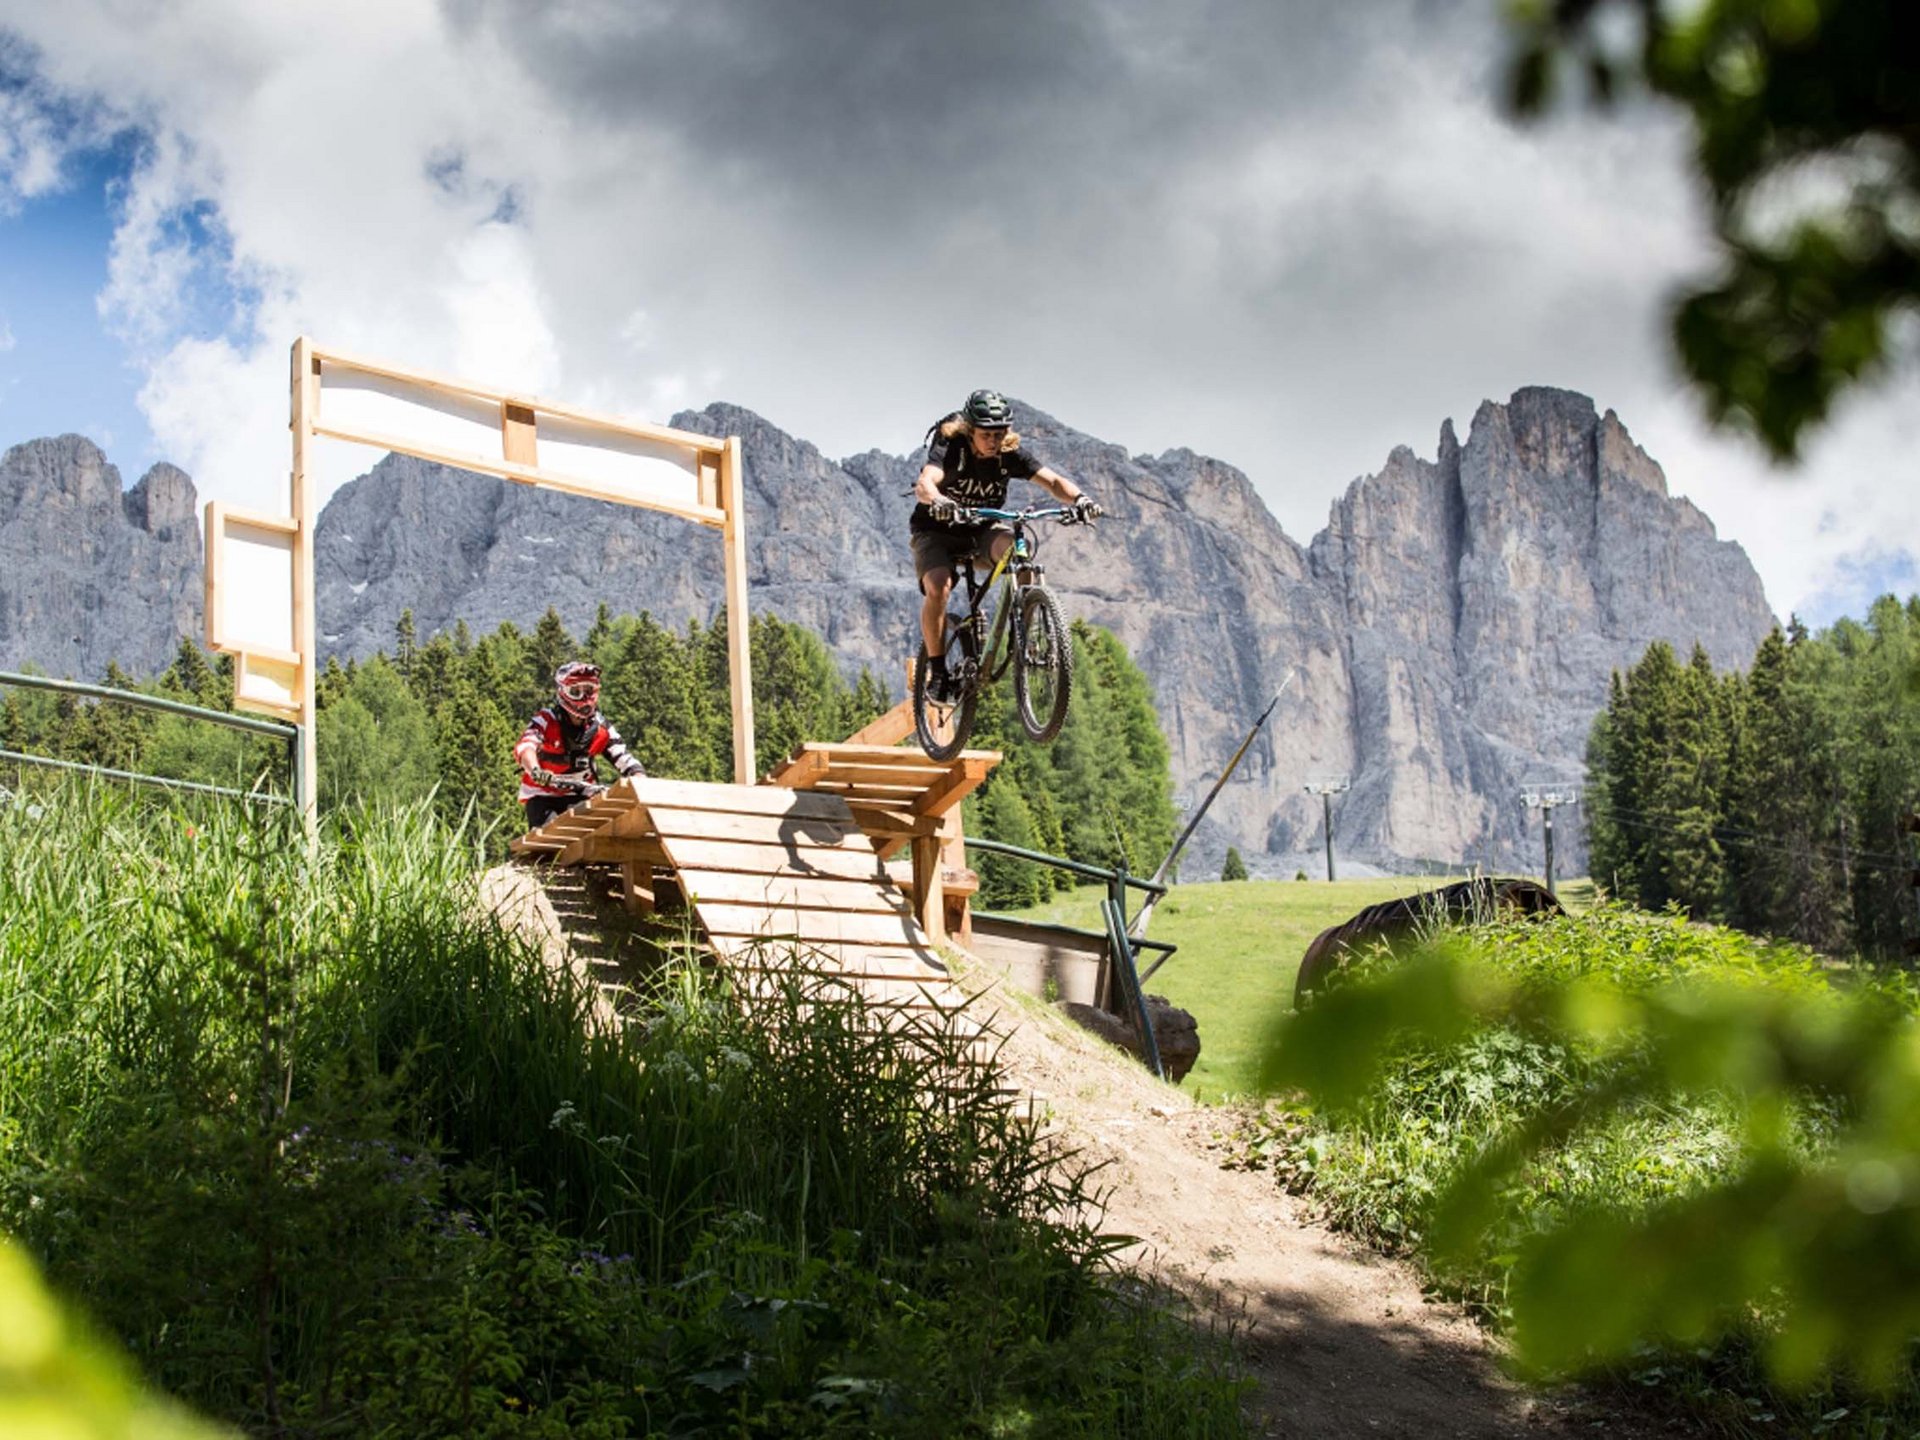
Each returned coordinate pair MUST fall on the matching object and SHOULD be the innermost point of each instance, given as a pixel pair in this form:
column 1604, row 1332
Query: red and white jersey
column 555, row 741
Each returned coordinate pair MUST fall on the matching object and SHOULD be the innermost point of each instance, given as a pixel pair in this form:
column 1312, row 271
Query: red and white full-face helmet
column 577, row 686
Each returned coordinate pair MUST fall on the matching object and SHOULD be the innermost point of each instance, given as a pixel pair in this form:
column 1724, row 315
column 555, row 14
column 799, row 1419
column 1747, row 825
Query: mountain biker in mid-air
column 555, row 752
column 972, row 455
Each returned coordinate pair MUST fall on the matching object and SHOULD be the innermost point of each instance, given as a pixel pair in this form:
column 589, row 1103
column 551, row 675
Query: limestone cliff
column 1450, row 632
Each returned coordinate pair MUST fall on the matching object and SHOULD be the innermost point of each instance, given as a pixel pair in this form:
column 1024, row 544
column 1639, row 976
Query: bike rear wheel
column 944, row 726
column 1042, row 664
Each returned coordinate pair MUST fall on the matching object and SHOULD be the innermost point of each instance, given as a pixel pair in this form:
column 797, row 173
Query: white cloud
column 1289, row 241
column 7, row 342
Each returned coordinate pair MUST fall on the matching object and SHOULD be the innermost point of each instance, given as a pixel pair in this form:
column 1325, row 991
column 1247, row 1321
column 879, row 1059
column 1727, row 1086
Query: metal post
column 1326, row 790
column 1326, row 820
column 1115, row 915
column 1546, row 799
column 1546, row 814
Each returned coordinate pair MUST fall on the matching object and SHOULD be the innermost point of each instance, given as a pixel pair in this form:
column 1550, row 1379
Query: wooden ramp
column 779, row 879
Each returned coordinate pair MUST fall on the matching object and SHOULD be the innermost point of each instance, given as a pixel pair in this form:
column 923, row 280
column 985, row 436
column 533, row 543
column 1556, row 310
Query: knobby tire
column 1043, row 655
column 943, row 741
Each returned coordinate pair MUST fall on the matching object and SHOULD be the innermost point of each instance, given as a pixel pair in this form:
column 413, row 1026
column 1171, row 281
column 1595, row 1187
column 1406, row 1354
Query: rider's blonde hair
column 959, row 425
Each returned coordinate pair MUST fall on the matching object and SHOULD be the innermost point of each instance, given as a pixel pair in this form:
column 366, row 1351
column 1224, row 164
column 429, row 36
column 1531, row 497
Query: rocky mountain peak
column 65, row 473
column 89, row 574
column 1449, row 634
column 163, row 501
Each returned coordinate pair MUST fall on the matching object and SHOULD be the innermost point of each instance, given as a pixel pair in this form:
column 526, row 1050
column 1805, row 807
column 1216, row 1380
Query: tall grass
column 333, row 1151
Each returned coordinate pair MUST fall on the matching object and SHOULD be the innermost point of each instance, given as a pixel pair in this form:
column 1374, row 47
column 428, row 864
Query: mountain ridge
column 1452, row 627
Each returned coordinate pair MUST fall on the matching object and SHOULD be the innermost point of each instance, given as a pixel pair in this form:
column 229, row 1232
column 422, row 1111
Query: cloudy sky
column 1286, row 233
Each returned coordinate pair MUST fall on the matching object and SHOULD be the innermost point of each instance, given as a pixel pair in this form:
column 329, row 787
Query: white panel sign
column 619, row 466
column 407, row 412
column 256, row 589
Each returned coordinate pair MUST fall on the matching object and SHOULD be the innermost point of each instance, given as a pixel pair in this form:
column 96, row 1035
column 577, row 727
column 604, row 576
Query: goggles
column 582, row 684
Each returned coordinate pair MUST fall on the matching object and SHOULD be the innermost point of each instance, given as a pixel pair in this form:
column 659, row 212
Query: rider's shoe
column 939, row 684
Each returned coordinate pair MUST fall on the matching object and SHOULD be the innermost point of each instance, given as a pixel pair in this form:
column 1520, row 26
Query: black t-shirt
column 966, row 479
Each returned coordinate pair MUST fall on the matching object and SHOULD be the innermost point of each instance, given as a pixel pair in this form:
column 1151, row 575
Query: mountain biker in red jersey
column 555, row 752
column 972, row 455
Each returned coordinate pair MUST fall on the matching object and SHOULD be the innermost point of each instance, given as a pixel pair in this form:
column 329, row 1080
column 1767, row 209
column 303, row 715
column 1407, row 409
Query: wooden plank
column 733, row 535
column 915, row 960
column 606, row 849
column 734, row 799
column 764, row 859
column 811, row 927
column 524, row 474
column 900, row 969
column 787, row 832
column 601, row 848
column 798, row 771
column 961, row 782
column 704, row 445
column 932, row 989
column 518, row 441
column 894, row 754
column 929, row 893
column 906, row 779
column 805, row 891
column 883, row 825
column 888, row 729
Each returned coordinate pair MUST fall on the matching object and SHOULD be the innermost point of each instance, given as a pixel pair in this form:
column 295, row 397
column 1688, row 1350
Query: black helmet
column 989, row 408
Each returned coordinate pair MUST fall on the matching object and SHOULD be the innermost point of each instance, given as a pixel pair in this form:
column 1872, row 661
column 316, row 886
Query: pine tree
column 1235, row 868
column 549, row 649
column 1608, row 856
column 405, row 644
column 474, row 741
column 601, row 644
column 1006, row 882
column 189, row 677
column 654, row 693
column 1686, row 791
column 1783, row 808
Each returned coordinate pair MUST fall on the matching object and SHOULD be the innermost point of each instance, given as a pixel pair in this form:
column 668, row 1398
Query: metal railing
column 1113, row 911
column 277, row 729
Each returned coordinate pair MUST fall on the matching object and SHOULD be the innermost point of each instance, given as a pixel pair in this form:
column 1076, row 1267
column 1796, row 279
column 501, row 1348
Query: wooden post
column 739, row 658
column 929, row 888
column 305, row 380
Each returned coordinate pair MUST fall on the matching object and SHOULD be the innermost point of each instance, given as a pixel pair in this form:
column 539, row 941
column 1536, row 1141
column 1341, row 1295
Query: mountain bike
column 1024, row 631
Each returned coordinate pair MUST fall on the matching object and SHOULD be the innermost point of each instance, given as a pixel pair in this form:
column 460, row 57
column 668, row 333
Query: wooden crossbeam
column 960, row 782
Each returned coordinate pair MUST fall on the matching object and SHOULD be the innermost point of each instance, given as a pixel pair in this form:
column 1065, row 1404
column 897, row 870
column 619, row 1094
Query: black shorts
column 946, row 549
column 542, row 808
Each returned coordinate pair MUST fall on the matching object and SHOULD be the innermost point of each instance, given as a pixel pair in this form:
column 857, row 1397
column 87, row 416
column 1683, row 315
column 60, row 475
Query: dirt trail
column 1339, row 1340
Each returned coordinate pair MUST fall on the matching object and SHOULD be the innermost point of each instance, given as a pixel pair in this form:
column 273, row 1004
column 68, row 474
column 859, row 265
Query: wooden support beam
column 733, row 501
column 517, row 434
column 966, row 777
column 929, row 889
column 888, row 729
column 636, row 888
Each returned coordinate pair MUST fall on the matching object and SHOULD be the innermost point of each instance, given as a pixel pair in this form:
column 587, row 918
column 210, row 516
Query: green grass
column 1240, row 944
column 332, row 1152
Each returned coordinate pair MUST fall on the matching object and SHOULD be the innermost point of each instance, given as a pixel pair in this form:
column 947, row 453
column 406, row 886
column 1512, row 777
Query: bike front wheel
column 943, row 726
column 1042, row 664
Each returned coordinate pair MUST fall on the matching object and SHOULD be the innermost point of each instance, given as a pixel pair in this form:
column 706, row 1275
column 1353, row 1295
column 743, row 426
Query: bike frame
column 1025, row 571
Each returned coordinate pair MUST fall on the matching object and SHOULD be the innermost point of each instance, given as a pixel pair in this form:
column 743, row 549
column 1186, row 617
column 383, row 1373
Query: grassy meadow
column 1240, row 944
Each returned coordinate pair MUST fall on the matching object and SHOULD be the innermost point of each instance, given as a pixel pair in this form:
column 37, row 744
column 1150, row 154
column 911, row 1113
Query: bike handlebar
column 968, row 515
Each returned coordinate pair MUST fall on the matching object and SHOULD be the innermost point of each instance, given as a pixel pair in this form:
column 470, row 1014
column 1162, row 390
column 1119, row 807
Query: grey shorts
column 944, row 549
